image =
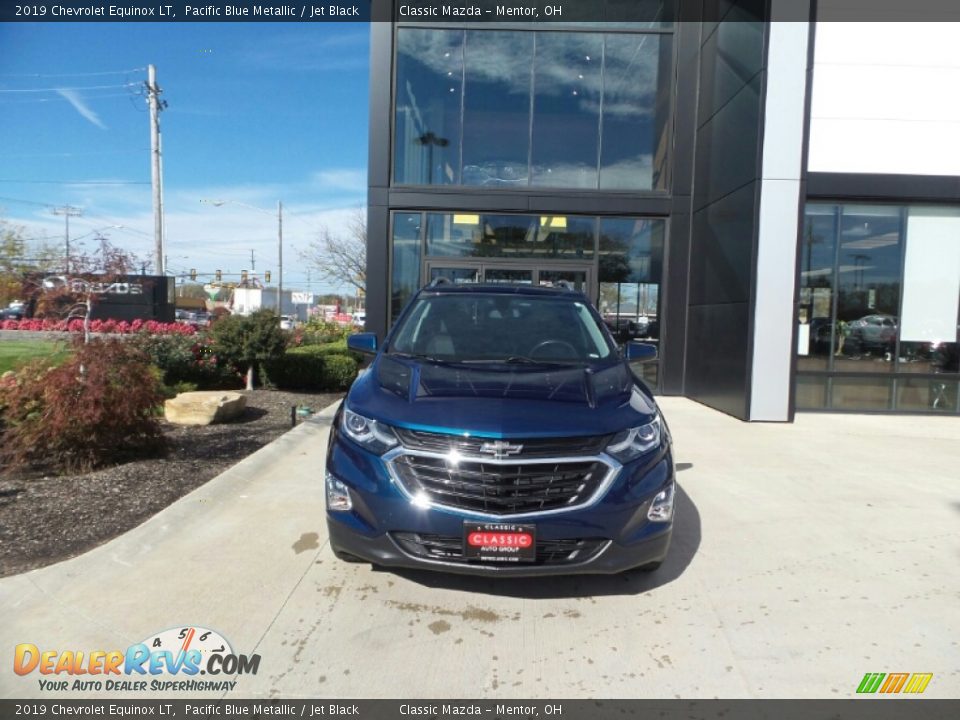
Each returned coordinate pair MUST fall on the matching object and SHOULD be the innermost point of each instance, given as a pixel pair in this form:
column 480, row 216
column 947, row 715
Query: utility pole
column 253, row 261
column 67, row 211
column 156, row 105
column 280, row 254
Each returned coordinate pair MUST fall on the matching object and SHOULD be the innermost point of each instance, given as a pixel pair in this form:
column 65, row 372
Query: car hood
column 506, row 401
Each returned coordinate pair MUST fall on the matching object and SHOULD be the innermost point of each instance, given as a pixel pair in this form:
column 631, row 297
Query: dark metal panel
column 717, row 361
column 381, row 60
column 570, row 203
column 454, row 200
column 378, row 196
column 378, row 268
column 687, row 39
column 732, row 56
column 599, row 205
column 728, row 146
column 673, row 307
column 896, row 188
column 721, row 251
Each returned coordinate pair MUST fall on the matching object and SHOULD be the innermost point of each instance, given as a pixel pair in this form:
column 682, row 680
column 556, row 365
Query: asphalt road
column 804, row 556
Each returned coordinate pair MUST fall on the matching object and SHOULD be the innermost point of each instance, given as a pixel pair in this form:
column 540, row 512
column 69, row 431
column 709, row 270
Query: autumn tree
column 341, row 258
column 20, row 256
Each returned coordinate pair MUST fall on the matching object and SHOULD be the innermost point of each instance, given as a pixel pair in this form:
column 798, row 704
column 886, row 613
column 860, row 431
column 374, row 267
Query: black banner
column 873, row 708
column 652, row 13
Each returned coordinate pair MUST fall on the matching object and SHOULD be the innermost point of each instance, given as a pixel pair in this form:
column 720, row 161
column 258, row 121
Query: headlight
column 374, row 436
column 630, row 444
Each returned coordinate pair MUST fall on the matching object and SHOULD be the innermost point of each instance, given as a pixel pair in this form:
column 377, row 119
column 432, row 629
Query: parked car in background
column 871, row 333
column 13, row 312
column 500, row 431
column 287, row 322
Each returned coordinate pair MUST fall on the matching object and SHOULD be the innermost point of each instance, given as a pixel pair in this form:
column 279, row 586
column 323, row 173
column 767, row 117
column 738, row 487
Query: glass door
column 492, row 272
column 579, row 278
column 500, row 274
column 457, row 273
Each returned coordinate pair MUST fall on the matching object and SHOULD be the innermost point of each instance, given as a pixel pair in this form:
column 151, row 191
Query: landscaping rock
column 204, row 407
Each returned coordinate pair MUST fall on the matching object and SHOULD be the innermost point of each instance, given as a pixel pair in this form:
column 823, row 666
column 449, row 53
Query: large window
column 405, row 275
column 521, row 108
column 546, row 237
column 878, row 312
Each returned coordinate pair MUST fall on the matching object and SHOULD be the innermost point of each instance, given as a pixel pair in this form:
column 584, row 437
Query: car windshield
column 501, row 328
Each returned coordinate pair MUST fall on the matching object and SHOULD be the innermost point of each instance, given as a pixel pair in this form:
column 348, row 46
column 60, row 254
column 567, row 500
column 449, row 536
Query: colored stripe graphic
column 894, row 683
column 870, row 682
column 918, row 682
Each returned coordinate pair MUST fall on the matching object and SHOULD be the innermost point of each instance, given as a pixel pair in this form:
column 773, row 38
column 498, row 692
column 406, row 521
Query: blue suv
column 500, row 431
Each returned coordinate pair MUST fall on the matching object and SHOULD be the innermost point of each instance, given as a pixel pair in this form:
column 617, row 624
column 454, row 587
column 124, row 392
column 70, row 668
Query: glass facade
column 616, row 261
column 524, row 108
column 878, row 311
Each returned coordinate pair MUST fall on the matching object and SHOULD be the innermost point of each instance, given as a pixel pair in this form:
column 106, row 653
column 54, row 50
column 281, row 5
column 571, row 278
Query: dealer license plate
column 499, row 542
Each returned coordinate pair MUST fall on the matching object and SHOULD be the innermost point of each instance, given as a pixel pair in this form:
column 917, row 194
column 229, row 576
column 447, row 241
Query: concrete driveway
column 805, row 556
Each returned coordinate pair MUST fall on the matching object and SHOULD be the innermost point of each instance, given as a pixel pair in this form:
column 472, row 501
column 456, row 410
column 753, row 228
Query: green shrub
column 317, row 331
column 186, row 359
column 99, row 406
column 312, row 367
column 246, row 342
column 341, row 371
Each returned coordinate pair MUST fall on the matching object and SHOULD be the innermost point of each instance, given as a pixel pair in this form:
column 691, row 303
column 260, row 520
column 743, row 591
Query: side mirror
column 365, row 343
column 640, row 352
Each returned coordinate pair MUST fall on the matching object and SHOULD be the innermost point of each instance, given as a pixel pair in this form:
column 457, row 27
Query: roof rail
column 440, row 280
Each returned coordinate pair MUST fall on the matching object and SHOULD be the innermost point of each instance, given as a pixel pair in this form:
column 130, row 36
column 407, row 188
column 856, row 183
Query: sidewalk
column 805, row 555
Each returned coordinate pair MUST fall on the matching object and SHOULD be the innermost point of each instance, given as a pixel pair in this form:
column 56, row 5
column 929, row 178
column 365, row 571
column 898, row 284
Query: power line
column 58, row 89
column 76, row 182
column 73, row 154
column 49, row 100
column 26, row 202
column 83, row 74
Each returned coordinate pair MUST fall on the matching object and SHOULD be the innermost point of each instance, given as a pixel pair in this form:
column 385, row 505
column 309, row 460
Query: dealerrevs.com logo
column 185, row 659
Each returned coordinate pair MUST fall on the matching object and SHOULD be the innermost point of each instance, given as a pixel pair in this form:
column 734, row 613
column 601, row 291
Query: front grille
column 449, row 548
column 500, row 489
column 532, row 447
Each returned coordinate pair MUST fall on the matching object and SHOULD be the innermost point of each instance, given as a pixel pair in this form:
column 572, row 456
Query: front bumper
column 385, row 526
column 613, row 558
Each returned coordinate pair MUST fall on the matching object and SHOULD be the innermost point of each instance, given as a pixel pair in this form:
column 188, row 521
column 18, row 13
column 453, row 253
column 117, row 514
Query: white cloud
column 207, row 237
column 73, row 97
column 342, row 179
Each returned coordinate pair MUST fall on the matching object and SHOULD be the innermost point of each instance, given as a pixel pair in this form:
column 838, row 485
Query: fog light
column 661, row 509
column 338, row 495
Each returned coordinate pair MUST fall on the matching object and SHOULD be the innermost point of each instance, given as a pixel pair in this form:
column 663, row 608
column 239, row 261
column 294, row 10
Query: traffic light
column 266, row 276
column 218, row 275
column 193, row 273
column 243, row 276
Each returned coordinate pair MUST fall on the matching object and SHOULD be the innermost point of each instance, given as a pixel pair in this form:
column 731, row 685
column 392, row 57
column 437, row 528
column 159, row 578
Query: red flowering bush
column 97, row 407
column 121, row 327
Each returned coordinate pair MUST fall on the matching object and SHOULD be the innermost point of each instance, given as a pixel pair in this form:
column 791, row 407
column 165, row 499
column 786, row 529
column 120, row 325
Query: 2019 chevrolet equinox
column 500, row 431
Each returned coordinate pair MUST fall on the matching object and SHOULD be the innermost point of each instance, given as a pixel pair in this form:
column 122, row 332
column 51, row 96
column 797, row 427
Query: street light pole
column 220, row 203
column 280, row 257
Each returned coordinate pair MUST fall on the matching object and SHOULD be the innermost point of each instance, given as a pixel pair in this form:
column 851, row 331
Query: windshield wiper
column 520, row 360
column 421, row 357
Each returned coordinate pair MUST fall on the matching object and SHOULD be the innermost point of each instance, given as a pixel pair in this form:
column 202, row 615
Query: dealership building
column 771, row 197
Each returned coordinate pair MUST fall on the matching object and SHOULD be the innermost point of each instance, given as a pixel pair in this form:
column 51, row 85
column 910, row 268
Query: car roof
column 502, row 289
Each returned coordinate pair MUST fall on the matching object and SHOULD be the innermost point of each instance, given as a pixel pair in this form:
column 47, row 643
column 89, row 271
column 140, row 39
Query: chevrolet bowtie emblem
column 500, row 449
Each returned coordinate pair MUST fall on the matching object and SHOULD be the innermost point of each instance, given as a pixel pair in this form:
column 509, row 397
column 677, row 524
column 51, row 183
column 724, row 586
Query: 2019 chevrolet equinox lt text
column 499, row 431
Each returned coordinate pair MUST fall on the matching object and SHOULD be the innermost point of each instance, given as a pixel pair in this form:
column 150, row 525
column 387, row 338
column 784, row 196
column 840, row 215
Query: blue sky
column 256, row 113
